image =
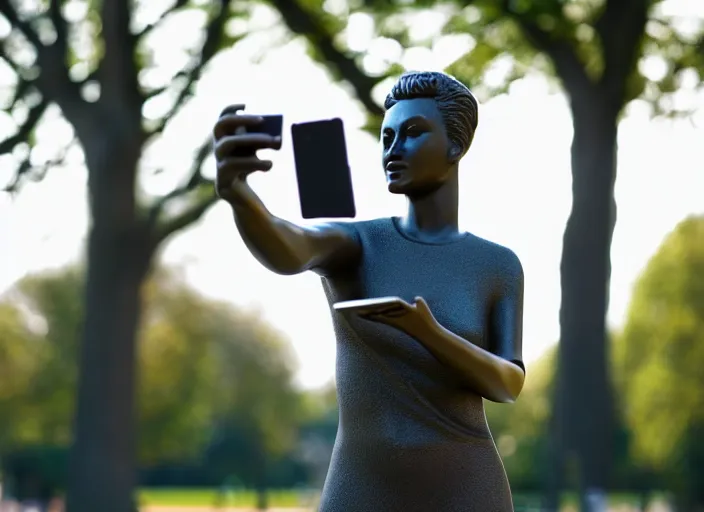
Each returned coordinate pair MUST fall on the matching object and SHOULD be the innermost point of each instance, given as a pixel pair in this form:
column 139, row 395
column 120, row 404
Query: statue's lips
column 396, row 166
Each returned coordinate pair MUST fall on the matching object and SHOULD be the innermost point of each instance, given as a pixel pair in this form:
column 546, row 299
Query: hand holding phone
column 237, row 138
column 366, row 306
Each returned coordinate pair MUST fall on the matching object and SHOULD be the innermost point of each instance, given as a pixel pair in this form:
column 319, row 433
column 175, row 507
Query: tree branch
column 149, row 28
column 60, row 25
column 567, row 64
column 621, row 28
column 213, row 36
column 40, row 171
column 302, row 22
column 205, row 198
column 24, row 131
column 21, row 89
column 53, row 81
column 4, row 56
column 23, row 85
column 22, row 25
column 195, row 180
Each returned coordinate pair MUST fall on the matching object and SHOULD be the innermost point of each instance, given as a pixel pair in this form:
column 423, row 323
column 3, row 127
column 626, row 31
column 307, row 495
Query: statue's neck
column 434, row 215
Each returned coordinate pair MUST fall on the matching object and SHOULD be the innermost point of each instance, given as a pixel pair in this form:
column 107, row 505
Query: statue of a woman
column 412, row 436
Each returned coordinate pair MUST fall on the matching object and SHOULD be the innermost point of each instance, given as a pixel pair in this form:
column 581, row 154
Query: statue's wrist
column 240, row 195
column 426, row 331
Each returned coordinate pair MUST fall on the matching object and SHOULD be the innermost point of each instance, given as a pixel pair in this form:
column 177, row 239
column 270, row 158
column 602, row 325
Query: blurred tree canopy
column 202, row 364
column 660, row 356
column 658, row 443
column 45, row 314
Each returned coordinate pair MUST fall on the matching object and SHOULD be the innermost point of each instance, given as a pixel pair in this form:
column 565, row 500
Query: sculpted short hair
column 455, row 101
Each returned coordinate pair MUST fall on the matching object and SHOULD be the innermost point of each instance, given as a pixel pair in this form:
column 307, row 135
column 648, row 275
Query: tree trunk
column 262, row 498
column 102, row 464
column 261, row 484
column 584, row 403
column 554, row 471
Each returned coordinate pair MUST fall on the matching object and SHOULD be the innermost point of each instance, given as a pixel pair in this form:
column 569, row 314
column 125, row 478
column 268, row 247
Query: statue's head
column 428, row 127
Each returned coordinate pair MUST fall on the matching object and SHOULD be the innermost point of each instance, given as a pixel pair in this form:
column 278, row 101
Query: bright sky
column 515, row 190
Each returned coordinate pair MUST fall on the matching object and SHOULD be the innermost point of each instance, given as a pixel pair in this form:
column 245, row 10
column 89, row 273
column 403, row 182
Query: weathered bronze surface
column 411, row 376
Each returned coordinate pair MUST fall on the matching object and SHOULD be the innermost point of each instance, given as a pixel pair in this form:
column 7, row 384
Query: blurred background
column 148, row 362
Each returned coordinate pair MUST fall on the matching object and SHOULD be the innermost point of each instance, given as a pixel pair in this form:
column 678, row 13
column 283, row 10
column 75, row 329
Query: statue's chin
column 396, row 188
column 410, row 189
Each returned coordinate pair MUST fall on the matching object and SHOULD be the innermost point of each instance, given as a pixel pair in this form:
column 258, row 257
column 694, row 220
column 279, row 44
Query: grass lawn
column 207, row 497
column 294, row 498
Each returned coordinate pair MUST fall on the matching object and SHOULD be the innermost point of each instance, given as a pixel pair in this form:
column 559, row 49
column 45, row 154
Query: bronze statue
column 412, row 371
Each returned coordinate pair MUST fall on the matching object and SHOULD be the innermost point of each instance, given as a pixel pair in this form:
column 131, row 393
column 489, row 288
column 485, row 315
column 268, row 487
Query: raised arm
column 286, row 248
column 279, row 245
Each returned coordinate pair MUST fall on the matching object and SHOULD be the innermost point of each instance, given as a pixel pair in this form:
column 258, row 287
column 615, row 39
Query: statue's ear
column 454, row 154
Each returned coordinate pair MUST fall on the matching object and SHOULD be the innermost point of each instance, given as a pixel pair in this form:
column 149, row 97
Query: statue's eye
column 414, row 131
column 387, row 138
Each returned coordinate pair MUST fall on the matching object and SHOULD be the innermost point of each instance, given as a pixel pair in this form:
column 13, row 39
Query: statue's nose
column 395, row 152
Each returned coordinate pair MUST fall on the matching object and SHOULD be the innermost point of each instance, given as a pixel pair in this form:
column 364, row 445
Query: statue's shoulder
column 364, row 225
column 503, row 259
column 359, row 230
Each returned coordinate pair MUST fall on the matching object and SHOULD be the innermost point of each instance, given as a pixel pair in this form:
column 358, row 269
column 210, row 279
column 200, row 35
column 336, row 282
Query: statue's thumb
column 420, row 302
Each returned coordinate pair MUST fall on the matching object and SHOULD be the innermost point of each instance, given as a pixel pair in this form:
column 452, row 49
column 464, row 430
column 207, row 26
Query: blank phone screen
column 322, row 170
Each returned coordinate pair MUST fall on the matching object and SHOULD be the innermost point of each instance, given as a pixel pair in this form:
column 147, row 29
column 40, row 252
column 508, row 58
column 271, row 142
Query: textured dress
column 412, row 436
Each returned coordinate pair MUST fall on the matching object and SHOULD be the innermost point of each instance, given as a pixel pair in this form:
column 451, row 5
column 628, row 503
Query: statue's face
column 415, row 147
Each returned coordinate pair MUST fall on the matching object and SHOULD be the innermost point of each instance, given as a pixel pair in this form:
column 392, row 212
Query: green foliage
column 208, row 497
column 176, row 383
column 43, row 328
column 200, row 362
column 520, row 429
column 661, row 353
column 19, row 359
column 513, row 38
column 257, row 409
column 494, row 38
column 505, row 33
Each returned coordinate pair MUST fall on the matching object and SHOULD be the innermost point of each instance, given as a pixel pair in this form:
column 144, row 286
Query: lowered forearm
column 490, row 376
column 279, row 245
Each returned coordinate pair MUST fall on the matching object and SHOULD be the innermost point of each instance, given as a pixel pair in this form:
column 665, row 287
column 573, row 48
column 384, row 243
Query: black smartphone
column 272, row 125
column 322, row 170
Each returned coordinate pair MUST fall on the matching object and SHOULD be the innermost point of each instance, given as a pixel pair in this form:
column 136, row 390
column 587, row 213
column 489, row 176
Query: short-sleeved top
column 406, row 417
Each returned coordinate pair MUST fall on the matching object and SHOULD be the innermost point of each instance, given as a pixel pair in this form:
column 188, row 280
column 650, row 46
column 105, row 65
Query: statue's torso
column 404, row 416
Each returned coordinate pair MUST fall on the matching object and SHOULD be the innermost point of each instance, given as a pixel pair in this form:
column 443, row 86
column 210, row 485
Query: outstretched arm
column 279, row 245
column 286, row 248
